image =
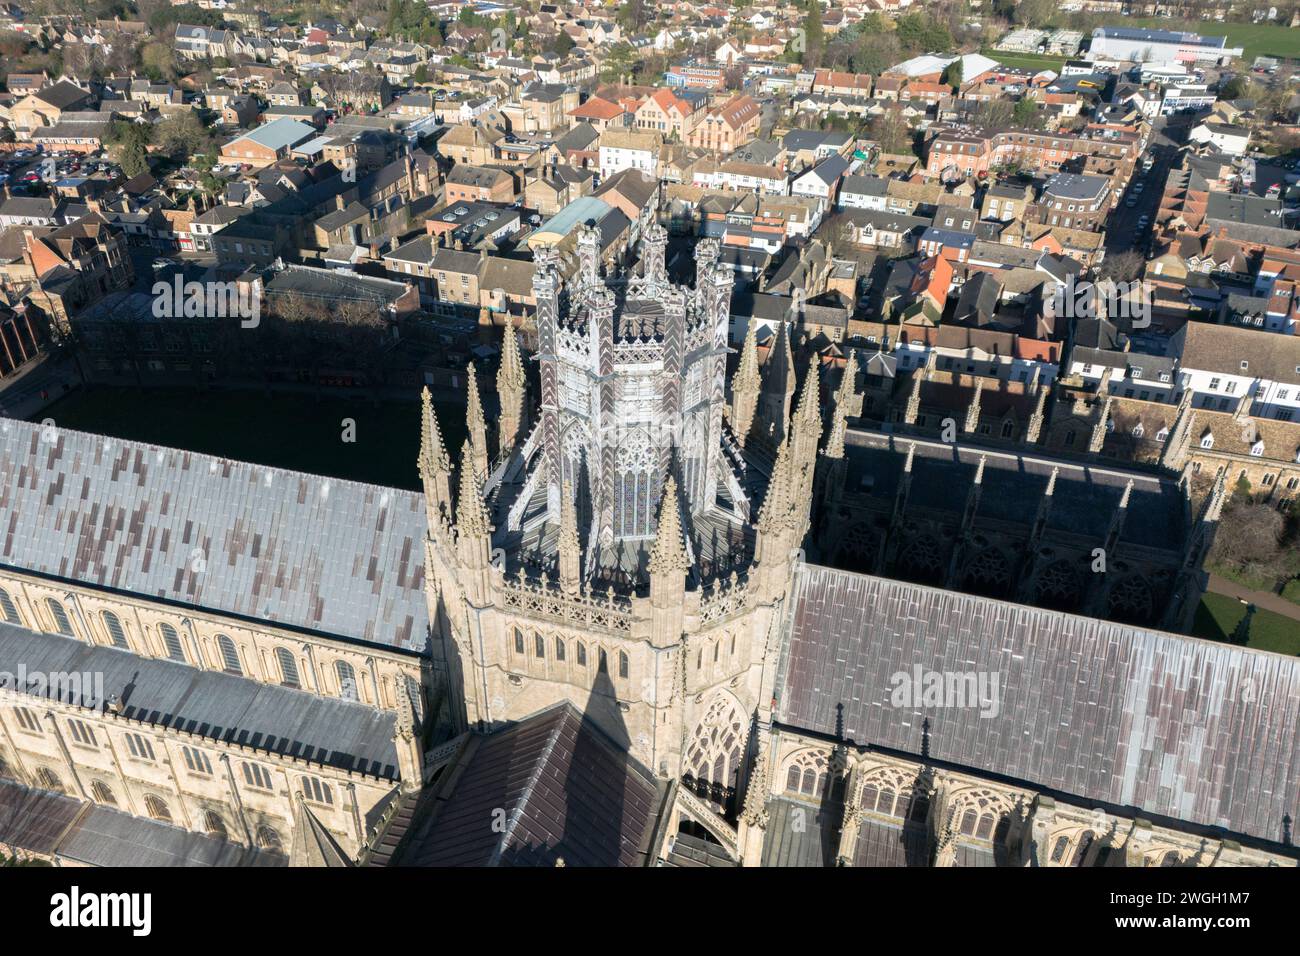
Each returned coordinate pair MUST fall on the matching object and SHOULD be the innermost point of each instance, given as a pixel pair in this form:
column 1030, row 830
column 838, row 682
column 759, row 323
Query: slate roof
column 1171, row 726
column 213, row 704
column 566, row 788
column 800, row 833
column 1084, row 501
column 301, row 551
column 50, row 823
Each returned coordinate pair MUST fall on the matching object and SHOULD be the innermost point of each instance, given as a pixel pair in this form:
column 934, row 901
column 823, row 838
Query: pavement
column 1261, row 599
column 37, row 386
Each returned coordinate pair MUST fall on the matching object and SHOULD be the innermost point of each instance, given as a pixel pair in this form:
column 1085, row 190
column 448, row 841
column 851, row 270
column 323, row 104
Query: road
column 1122, row 232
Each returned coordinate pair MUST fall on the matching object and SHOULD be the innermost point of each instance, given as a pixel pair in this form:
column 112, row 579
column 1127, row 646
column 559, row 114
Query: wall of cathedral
column 237, row 793
column 958, row 817
column 317, row 664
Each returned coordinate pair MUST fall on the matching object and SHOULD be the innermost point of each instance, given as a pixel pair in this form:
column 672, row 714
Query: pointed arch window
column 269, row 839
column 214, row 825
column 172, row 642
column 8, row 609
column 229, row 655
column 62, row 623
column 622, row 664
column 115, row 632
column 559, row 648
column 519, row 641
column 156, row 807
column 103, row 794
column 347, row 680
column 582, row 654
column 288, row 667
column 539, row 646
column 49, row 780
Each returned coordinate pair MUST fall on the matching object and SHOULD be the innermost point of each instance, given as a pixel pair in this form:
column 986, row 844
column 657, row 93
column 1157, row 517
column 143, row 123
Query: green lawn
column 285, row 430
column 1291, row 591
column 1218, row 614
column 1027, row 61
column 1255, row 39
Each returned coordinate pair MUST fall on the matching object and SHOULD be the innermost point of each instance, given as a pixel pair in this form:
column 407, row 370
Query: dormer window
column 1257, row 449
column 1207, row 440
column 1162, row 435
column 1244, row 365
column 1138, row 430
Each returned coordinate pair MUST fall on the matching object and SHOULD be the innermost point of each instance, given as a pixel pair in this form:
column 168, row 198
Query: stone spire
column 774, row 515
column 755, row 810
column 1035, row 427
column 778, row 385
column 835, row 443
column 1098, row 437
column 914, row 397
column 745, row 386
column 511, row 389
column 806, row 429
column 847, row 404
column 476, row 422
column 668, row 557
column 570, row 549
column 409, row 762
column 973, row 410
column 471, row 513
column 1117, row 519
column 434, row 465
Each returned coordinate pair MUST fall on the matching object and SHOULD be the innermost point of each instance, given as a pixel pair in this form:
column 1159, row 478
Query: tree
column 1121, row 266
column 158, row 60
column 890, row 131
column 181, row 135
column 1026, row 113
column 1239, row 87
column 814, row 36
column 1251, row 543
column 130, row 142
column 952, row 75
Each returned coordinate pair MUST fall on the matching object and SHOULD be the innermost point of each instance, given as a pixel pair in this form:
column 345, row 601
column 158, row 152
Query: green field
column 1218, row 614
column 1026, row 61
column 284, row 430
column 1263, row 39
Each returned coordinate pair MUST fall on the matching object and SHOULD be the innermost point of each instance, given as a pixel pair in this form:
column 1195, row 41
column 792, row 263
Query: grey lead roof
column 53, row 824
column 1173, row 726
column 222, row 707
column 296, row 550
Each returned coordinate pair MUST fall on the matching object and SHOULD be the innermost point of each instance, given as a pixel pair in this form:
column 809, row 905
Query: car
column 162, row 262
column 1144, row 221
column 1131, row 202
column 1138, row 187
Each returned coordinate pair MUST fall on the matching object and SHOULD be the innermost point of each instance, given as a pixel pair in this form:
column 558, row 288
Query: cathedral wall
column 192, row 782
column 960, row 815
column 322, row 665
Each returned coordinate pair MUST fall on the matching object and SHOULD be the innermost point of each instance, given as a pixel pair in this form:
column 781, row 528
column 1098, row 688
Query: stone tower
column 612, row 557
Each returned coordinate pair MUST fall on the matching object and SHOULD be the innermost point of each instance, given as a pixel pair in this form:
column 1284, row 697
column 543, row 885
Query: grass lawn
column 1255, row 39
column 285, row 430
column 1218, row 615
column 1291, row 591
column 1027, row 61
